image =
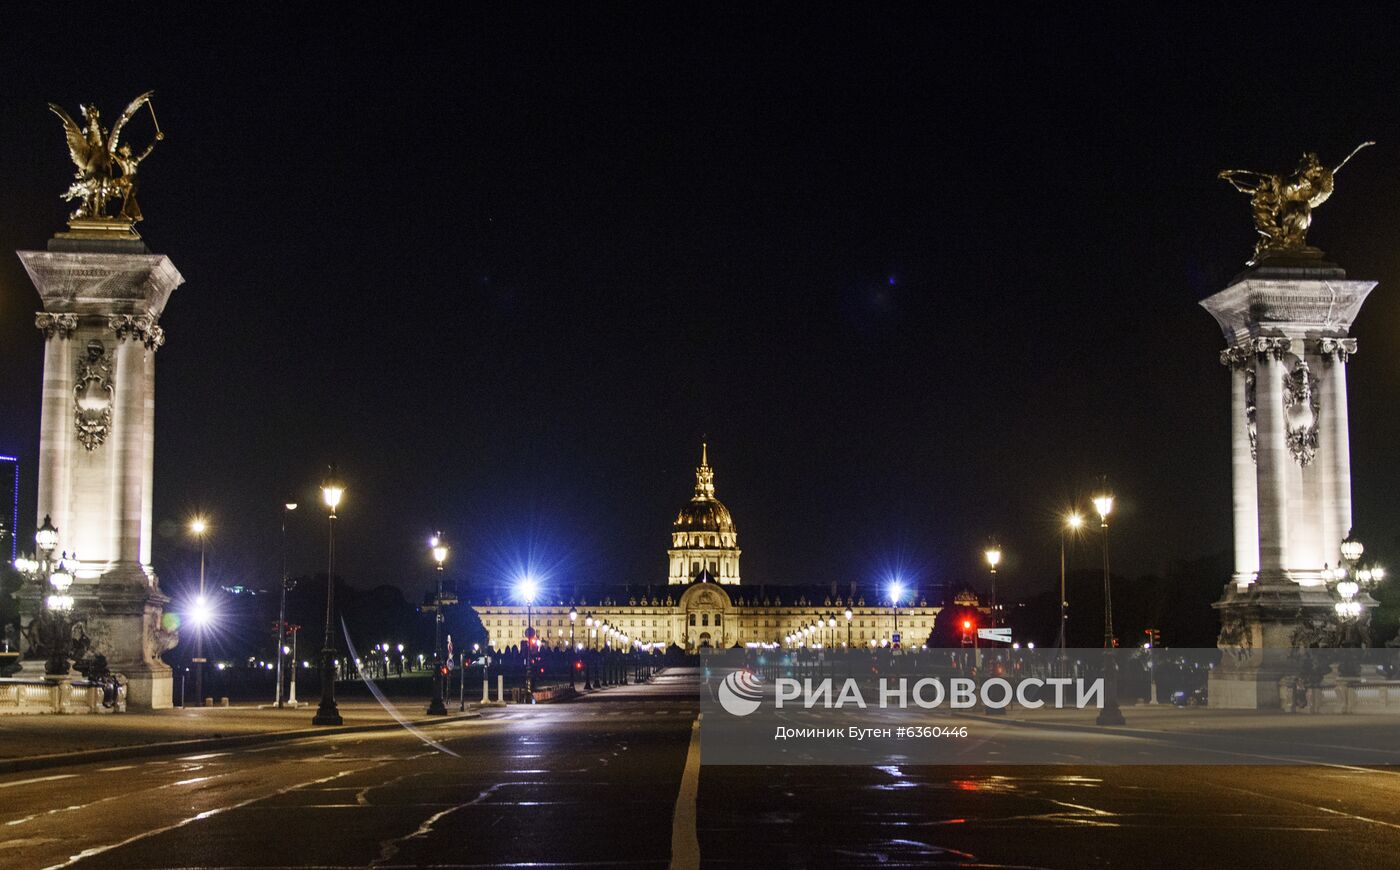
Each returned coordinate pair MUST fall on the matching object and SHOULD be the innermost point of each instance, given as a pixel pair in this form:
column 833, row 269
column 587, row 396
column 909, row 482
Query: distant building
column 702, row 604
column 9, row 506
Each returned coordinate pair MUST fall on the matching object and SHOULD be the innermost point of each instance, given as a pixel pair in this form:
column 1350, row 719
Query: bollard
column 501, row 688
column 223, row 702
column 208, row 702
column 485, row 691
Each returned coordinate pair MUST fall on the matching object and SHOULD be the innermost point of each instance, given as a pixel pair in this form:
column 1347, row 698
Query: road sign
column 1001, row 635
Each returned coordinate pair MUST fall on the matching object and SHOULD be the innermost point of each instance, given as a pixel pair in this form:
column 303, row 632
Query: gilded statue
column 106, row 165
column 1282, row 207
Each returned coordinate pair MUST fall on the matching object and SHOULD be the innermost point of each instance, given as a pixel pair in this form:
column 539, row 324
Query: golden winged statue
column 1282, row 207
column 106, row 166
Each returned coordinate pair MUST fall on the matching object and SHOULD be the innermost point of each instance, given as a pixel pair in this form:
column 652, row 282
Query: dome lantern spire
column 704, row 474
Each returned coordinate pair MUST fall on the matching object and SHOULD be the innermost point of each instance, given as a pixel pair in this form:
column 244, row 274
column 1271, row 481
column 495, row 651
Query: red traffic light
column 443, row 670
column 967, row 625
column 578, row 665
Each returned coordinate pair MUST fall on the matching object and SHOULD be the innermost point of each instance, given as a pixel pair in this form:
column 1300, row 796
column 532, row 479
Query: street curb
column 179, row 747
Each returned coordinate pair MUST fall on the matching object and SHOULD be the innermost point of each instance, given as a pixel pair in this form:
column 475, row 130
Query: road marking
column 118, row 767
column 98, row 850
column 685, row 841
column 38, row 779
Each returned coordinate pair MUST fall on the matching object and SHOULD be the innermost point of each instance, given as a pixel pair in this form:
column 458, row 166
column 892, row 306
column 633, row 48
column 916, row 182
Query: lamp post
column 332, row 490
column 287, row 507
column 199, row 527
column 896, row 593
column 993, row 555
column 573, row 618
column 850, row 614
column 588, row 666
column 1350, row 584
column 53, row 628
column 1073, row 522
column 436, row 706
column 1110, row 714
column 526, row 590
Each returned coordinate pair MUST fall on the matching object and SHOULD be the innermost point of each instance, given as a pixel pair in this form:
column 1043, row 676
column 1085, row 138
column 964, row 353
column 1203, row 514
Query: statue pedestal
column 1285, row 323
column 103, row 294
column 1259, row 628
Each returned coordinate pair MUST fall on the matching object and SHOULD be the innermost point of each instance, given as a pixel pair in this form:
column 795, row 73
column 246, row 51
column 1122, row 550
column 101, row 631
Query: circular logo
column 740, row 693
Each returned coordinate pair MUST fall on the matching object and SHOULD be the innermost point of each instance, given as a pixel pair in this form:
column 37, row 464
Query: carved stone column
column 1271, row 451
column 56, row 414
column 1334, row 449
column 1240, row 361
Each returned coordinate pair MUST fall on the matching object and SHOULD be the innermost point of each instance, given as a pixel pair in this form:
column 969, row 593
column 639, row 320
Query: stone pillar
column 1271, row 315
column 1334, row 447
column 102, row 298
column 1246, row 502
column 1272, row 458
column 55, row 415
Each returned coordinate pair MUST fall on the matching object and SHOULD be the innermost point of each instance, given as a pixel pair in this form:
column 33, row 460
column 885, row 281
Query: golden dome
column 704, row 513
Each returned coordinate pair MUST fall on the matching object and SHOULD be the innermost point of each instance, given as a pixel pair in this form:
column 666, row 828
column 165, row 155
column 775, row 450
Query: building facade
column 704, row 605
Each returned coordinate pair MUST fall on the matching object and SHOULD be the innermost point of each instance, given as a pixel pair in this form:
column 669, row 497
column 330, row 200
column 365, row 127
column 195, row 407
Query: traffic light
column 578, row 665
column 443, row 670
column 967, row 625
column 1154, row 636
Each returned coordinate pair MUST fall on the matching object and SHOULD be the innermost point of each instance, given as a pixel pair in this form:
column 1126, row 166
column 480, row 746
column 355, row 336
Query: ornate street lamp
column 1350, row 584
column 55, row 632
column 1074, row 521
column 332, row 490
column 993, row 557
column 1110, row 714
column 436, row 707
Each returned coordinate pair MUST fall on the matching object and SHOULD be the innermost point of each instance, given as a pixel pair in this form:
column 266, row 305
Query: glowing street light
column 436, row 707
column 526, row 589
column 896, row 596
column 1110, row 714
column 993, row 556
column 199, row 527
column 46, row 538
column 1074, row 521
column 332, row 491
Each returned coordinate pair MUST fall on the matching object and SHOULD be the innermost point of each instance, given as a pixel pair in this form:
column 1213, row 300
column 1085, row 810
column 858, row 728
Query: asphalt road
column 611, row 781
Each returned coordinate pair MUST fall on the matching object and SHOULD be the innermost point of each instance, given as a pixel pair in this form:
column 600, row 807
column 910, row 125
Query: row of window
column 705, row 620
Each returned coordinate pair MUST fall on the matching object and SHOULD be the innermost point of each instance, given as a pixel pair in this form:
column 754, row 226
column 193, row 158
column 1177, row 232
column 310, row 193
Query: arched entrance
column 707, row 609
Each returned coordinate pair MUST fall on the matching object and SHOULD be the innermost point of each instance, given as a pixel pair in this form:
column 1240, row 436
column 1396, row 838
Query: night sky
column 918, row 280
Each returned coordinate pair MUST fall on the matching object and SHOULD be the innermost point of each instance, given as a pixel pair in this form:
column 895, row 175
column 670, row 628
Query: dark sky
column 920, row 280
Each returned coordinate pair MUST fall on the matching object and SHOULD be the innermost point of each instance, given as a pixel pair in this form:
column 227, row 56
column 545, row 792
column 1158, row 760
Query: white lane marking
column 98, row 850
column 203, row 757
column 37, row 779
column 685, row 841
column 389, row 848
column 118, row 767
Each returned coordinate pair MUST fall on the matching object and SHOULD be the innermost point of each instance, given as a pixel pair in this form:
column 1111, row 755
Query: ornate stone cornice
column 61, row 325
column 1338, row 349
column 137, row 326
